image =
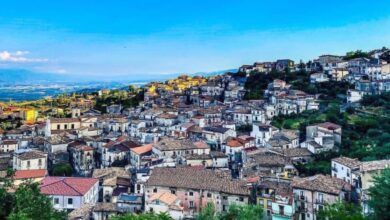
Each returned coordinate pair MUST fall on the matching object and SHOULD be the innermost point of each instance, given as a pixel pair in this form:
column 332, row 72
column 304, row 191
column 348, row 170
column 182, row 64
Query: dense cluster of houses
column 184, row 147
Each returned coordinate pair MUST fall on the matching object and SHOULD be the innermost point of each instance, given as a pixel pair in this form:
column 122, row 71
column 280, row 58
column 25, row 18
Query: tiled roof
column 374, row 165
column 33, row 154
column 190, row 178
column 329, row 125
column 30, row 174
column 168, row 198
column 67, row 186
column 143, row 149
column 167, row 144
column 321, row 183
column 346, row 161
column 216, row 129
column 64, row 120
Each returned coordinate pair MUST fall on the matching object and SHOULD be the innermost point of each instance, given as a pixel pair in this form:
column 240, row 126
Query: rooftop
column 321, row 183
column 188, row 177
column 67, row 186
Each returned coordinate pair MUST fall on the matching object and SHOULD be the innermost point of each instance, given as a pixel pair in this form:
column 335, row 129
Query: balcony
column 334, row 169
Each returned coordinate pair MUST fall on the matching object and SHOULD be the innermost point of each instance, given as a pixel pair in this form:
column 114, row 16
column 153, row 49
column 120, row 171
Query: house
column 262, row 133
column 322, row 137
column 132, row 203
column 166, row 202
column 318, row 78
column 64, row 123
column 312, row 193
column 276, row 198
column 118, row 150
column 68, row 193
column 216, row 136
column 242, row 116
column 284, row 139
column 166, row 119
column 367, row 170
column 354, row 96
column 344, row 168
column 8, row 146
column 215, row 159
column 82, row 159
column 284, row 64
column 196, row 188
column 104, row 211
column 29, row 160
column 34, row 176
column 112, row 181
column 173, row 148
column 137, row 153
column 338, row 74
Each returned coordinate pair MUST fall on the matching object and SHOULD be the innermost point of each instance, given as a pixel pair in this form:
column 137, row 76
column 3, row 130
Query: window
column 155, row 190
column 269, row 203
column 191, row 193
column 191, row 204
column 173, row 192
column 58, row 127
column 72, row 126
column 70, row 201
column 39, row 162
column 28, row 163
column 65, row 127
column 208, row 195
column 241, row 199
column 224, row 197
column 261, row 202
column 56, row 201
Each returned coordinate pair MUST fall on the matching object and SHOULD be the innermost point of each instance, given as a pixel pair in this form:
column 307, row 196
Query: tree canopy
column 380, row 195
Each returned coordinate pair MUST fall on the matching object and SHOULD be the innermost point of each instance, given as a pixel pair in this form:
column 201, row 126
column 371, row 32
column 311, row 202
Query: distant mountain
column 22, row 76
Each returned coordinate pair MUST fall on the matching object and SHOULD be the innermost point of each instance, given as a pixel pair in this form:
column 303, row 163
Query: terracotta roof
column 143, row 149
column 33, row 154
column 190, row 178
column 375, row 165
column 346, row 161
column 30, row 174
column 168, row 198
column 67, row 186
column 64, row 120
column 321, row 183
column 329, row 125
column 168, row 144
column 234, row 143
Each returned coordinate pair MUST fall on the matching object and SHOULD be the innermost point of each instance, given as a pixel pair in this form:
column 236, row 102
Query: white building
column 68, row 193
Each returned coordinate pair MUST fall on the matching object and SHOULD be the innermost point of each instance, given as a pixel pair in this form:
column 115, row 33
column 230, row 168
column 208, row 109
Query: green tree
column 208, row 213
column 247, row 212
column 235, row 212
column 341, row 211
column 380, row 195
column 62, row 169
column 31, row 204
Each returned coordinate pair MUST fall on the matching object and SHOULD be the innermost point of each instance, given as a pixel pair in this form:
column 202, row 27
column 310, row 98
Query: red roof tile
column 27, row 174
column 68, row 186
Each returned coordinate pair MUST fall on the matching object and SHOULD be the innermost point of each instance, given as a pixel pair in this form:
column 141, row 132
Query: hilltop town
column 291, row 138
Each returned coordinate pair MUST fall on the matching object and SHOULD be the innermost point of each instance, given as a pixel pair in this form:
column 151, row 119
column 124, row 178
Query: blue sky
column 135, row 37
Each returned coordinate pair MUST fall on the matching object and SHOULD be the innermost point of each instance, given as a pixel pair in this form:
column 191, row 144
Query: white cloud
column 19, row 57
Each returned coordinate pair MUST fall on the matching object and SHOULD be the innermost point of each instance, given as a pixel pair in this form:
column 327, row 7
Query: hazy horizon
column 140, row 38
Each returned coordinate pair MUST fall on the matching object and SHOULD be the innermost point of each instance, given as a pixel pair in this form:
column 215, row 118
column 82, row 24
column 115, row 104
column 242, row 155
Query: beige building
column 64, row 123
column 30, row 160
